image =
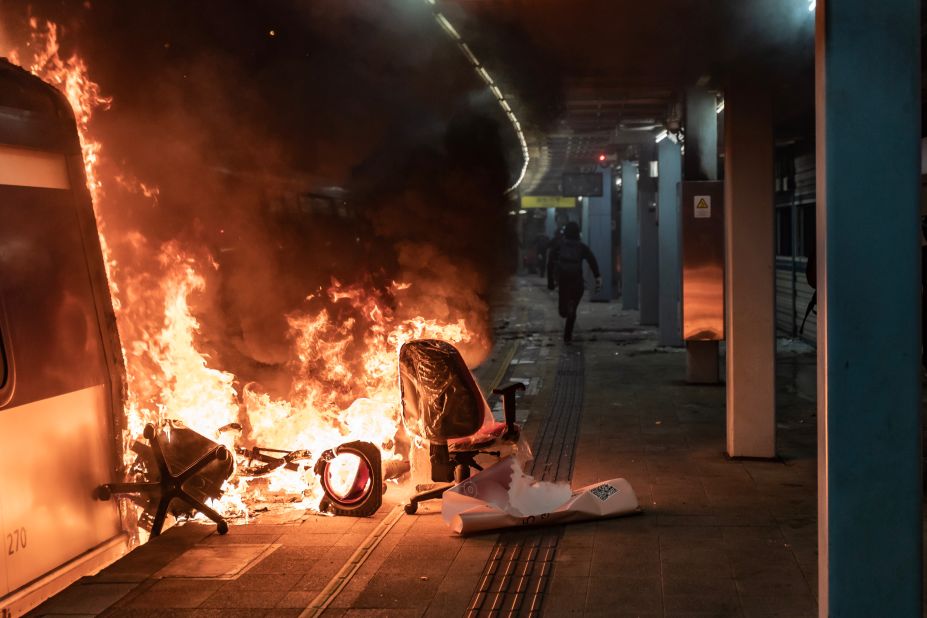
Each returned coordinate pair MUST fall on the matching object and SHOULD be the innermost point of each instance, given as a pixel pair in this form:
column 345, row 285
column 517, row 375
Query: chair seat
column 488, row 433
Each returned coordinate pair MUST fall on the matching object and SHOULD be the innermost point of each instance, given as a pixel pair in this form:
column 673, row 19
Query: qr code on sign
column 604, row 491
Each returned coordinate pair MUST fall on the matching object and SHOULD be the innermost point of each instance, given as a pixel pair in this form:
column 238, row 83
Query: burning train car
column 61, row 376
column 63, row 387
column 82, row 404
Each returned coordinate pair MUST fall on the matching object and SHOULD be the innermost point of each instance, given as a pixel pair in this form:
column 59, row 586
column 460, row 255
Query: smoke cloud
column 227, row 131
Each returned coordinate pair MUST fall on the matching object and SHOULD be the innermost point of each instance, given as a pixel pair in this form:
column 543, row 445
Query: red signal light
column 602, row 158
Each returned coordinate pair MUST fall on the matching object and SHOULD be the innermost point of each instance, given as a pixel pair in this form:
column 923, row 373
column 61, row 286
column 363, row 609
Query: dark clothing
column 565, row 261
column 565, row 269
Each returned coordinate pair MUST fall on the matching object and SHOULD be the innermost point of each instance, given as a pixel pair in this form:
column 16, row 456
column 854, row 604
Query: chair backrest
column 440, row 398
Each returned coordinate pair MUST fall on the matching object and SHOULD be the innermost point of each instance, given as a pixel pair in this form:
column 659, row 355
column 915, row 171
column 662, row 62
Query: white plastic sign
column 702, row 206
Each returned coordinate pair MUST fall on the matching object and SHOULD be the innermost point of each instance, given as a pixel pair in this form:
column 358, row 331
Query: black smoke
column 237, row 112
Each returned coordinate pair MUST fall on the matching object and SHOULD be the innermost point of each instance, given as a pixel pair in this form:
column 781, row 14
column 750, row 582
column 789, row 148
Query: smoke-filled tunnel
column 294, row 316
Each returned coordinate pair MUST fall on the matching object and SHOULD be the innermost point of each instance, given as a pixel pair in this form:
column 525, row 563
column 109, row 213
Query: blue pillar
column 599, row 233
column 701, row 162
column 584, row 223
column 868, row 247
column 670, row 166
column 629, row 235
column 648, row 264
column 550, row 224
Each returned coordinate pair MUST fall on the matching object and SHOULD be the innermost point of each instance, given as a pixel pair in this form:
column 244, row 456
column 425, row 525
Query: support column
column 868, row 247
column 550, row 224
column 649, row 265
column 599, row 234
column 749, row 276
column 629, row 236
column 701, row 163
column 584, row 215
column 670, row 168
column 701, row 160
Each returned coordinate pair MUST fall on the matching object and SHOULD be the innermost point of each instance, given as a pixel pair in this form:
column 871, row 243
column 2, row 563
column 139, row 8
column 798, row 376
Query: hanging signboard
column 576, row 184
column 547, row 201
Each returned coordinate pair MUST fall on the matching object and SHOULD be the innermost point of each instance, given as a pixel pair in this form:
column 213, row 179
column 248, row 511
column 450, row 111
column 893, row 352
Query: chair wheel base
column 411, row 508
column 169, row 486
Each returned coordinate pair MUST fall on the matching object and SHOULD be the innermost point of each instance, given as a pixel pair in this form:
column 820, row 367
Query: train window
column 806, row 234
column 20, row 96
column 784, row 231
column 23, row 167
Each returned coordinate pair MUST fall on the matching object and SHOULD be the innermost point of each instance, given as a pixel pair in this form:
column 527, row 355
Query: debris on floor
column 503, row 496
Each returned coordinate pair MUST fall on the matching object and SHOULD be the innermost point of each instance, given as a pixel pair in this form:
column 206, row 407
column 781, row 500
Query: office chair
column 180, row 465
column 442, row 404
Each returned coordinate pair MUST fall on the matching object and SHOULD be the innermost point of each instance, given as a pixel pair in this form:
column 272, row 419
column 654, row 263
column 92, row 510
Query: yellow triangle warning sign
column 702, row 206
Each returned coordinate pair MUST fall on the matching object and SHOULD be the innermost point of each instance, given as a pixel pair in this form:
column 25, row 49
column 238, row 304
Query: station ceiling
column 588, row 77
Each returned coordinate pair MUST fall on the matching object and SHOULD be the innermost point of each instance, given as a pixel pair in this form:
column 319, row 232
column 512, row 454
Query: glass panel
column 806, row 224
column 784, row 231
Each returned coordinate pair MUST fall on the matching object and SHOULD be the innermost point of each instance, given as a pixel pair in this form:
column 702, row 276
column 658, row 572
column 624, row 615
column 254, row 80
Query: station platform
column 716, row 537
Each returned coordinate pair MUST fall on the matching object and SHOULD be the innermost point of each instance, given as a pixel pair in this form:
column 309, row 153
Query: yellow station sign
column 547, row 201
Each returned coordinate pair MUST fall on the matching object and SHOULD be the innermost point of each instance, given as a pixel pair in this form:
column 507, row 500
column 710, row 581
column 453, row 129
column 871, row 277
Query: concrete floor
column 717, row 537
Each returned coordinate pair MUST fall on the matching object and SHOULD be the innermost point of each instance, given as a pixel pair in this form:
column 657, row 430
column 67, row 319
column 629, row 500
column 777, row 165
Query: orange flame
column 345, row 384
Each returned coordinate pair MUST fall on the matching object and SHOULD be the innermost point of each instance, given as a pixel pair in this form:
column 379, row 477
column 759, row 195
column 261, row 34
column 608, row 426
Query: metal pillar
column 670, row 165
column 648, row 260
column 584, row 222
column 599, row 234
column 550, row 224
column 701, row 160
column 701, row 163
column 629, row 235
column 868, row 245
column 749, row 276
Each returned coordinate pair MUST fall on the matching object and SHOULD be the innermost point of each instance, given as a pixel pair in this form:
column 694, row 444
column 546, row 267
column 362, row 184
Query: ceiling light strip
column 447, row 26
column 497, row 93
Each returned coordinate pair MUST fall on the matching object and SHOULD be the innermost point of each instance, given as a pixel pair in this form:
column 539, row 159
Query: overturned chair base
column 170, row 486
column 442, row 404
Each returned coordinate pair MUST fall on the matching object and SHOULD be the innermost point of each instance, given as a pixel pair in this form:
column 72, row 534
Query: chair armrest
column 508, row 405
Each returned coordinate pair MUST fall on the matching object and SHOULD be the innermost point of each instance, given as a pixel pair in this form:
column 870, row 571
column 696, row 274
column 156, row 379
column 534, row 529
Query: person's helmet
column 571, row 230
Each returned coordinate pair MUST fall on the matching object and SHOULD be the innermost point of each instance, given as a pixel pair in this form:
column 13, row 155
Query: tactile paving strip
column 515, row 577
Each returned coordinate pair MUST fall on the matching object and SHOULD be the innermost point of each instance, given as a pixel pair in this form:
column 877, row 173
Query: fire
column 70, row 77
column 344, row 341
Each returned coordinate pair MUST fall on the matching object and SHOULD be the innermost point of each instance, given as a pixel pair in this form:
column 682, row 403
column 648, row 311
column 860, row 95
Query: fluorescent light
column 720, row 107
column 662, row 135
column 447, row 26
column 486, row 77
column 469, row 54
column 521, row 212
column 618, row 181
column 812, row 4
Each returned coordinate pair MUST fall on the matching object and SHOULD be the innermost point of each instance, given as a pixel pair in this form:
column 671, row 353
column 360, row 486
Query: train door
column 61, row 381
